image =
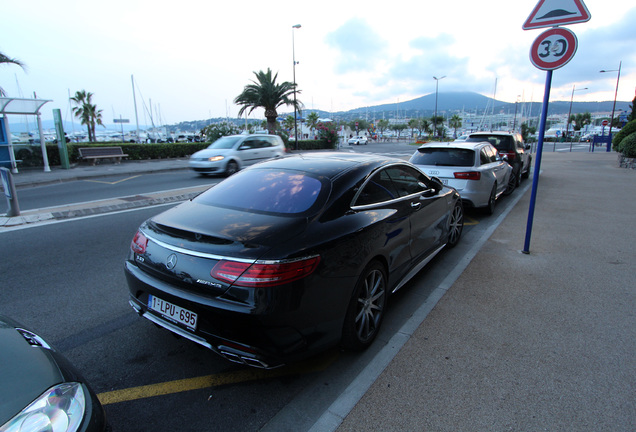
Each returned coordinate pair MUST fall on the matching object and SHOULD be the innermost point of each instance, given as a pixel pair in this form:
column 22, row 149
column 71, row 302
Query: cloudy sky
column 190, row 59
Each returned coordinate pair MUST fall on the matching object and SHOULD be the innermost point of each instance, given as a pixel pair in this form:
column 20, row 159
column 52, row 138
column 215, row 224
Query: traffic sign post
column 550, row 13
column 537, row 163
column 551, row 50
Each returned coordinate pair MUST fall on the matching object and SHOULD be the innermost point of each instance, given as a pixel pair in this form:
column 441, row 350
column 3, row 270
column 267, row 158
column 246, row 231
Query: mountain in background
column 448, row 103
column 470, row 102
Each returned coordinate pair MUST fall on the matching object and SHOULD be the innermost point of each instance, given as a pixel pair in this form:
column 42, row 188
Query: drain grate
column 135, row 198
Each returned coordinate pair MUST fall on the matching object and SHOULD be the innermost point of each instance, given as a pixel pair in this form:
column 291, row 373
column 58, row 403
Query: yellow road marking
column 251, row 374
column 470, row 221
column 115, row 182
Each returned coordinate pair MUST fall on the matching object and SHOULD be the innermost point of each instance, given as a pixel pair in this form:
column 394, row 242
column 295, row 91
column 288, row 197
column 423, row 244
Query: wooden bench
column 96, row 153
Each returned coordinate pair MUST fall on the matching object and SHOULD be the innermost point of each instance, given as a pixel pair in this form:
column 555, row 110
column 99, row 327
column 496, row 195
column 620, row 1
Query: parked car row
column 481, row 167
column 278, row 262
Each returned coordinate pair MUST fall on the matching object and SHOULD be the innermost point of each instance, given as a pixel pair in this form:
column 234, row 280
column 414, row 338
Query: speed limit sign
column 553, row 48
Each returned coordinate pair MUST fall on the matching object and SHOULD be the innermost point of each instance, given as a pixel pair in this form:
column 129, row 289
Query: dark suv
column 512, row 146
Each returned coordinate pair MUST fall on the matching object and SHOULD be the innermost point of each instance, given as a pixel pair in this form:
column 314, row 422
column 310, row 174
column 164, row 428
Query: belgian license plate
column 173, row 312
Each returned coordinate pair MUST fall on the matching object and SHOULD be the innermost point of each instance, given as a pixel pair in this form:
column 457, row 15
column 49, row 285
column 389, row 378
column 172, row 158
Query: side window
column 484, row 156
column 249, row 143
column 378, row 189
column 407, row 181
column 269, row 142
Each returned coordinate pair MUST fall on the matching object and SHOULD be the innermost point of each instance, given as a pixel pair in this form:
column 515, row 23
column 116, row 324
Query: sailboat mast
column 135, row 102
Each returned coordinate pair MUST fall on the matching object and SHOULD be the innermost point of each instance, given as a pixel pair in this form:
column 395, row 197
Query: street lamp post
column 435, row 118
column 297, row 26
column 609, row 144
column 567, row 124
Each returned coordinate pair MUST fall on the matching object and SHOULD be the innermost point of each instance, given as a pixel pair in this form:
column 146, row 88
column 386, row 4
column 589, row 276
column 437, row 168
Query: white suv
column 231, row 153
column 357, row 140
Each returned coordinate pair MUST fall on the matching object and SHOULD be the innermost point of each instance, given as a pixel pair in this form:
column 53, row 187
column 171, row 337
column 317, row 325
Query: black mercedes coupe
column 292, row 256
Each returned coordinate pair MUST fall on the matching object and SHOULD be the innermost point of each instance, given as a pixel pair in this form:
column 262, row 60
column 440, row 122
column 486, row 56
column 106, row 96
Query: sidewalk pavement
column 544, row 341
column 37, row 177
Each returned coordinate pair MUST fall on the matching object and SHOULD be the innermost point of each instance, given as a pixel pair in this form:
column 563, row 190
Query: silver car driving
column 231, row 153
column 475, row 170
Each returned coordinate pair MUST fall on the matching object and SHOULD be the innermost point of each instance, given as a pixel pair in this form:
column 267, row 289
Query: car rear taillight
column 139, row 243
column 511, row 155
column 468, row 175
column 265, row 274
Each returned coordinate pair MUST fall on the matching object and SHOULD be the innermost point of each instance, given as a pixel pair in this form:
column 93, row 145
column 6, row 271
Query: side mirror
column 504, row 158
column 437, row 184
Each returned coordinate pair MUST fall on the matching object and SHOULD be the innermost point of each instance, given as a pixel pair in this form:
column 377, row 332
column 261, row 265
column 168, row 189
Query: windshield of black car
column 274, row 191
column 225, row 142
column 444, row 157
column 502, row 143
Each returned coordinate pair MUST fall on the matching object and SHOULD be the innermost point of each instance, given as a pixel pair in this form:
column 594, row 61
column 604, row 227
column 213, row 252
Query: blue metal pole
column 537, row 163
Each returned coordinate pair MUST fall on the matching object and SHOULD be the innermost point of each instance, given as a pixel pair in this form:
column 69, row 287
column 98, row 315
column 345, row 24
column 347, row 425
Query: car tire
column 527, row 173
column 455, row 225
column 366, row 308
column 492, row 200
column 512, row 183
column 231, row 168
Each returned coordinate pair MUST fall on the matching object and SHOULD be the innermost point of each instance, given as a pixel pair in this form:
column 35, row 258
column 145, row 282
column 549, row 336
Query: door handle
column 416, row 205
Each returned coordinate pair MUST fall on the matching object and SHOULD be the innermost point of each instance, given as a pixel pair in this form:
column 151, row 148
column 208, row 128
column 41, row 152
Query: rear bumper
column 238, row 332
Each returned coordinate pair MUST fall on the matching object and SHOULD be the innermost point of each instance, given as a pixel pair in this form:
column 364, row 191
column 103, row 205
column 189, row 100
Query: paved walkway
column 36, row 177
column 545, row 341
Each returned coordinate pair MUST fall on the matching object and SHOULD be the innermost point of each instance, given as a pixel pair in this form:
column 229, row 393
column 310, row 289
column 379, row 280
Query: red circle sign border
column 571, row 50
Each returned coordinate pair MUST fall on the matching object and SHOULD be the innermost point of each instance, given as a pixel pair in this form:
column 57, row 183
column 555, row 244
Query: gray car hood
column 26, row 371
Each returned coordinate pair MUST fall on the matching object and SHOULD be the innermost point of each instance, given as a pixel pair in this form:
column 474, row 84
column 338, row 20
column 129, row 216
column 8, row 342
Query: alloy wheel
column 456, row 225
column 366, row 310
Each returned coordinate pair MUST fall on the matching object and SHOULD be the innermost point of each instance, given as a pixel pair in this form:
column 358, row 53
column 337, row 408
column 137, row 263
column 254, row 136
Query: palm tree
column 288, row 123
column 87, row 112
column 6, row 60
column 455, row 122
column 266, row 93
column 312, row 121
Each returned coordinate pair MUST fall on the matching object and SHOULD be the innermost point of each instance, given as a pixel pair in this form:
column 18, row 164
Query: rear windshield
column 444, row 157
column 500, row 142
column 267, row 191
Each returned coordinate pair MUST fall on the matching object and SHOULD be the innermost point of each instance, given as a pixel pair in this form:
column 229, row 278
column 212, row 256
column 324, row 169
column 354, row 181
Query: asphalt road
column 66, row 281
column 87, row 190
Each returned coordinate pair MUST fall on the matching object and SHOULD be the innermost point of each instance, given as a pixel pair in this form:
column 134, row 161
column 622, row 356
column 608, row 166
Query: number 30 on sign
column 553, row 48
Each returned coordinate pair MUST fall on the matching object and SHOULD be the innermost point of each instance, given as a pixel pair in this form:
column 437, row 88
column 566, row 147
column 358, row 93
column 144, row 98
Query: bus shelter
column 19, row 106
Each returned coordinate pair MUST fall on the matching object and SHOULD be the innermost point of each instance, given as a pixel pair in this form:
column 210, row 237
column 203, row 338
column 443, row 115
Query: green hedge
column 628, row 129
column 628, row 146
column 33, row 156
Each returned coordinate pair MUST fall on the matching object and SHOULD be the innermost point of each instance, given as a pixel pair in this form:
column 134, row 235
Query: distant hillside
column 448, row 103
column 457, row 102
